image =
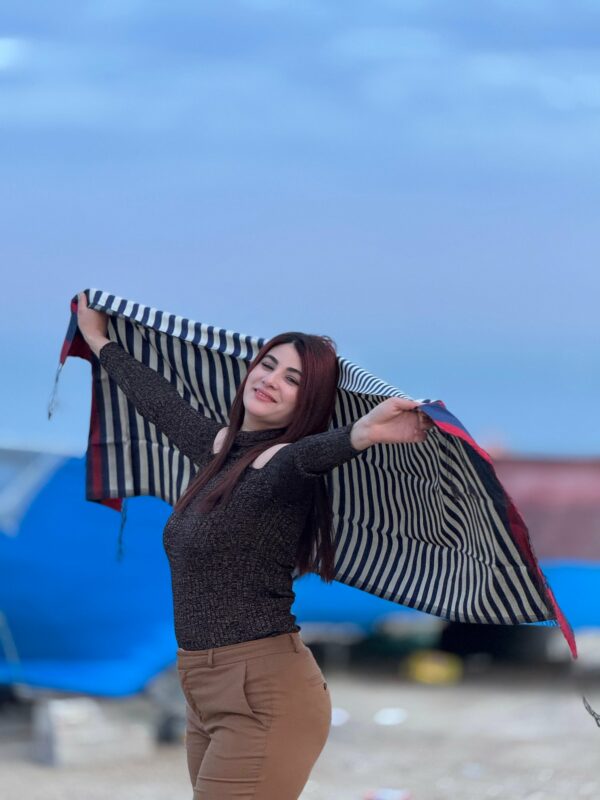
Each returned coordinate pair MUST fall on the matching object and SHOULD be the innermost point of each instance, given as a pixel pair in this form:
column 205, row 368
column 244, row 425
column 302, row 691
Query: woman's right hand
column 396, row 420
column 92, row 324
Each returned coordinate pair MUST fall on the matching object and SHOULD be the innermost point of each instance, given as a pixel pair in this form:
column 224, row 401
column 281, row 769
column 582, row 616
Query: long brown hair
column 315, row 403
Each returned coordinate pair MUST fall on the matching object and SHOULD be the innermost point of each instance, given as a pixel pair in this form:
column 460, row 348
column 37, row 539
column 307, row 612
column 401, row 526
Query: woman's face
column 271, row 389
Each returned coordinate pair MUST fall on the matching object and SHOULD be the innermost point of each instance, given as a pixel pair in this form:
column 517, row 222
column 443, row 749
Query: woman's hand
column 393, row 421
column 92, row 324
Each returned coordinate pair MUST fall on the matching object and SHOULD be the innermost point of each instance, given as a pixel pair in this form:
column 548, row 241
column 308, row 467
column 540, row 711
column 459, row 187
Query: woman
column 258, row 708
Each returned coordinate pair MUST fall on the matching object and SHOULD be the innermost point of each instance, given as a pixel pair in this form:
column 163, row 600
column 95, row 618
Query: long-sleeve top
column 231, row 568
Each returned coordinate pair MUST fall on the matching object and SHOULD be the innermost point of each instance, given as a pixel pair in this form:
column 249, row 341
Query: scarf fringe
column 579, row 687
column 590, row 710
column 121, row 529
column 52, row 400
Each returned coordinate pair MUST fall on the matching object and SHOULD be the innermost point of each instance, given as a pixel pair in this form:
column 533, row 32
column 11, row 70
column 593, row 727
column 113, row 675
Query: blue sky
column 419, row 180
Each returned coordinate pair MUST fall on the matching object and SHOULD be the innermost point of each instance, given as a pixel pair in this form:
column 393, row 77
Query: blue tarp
column 74, row 618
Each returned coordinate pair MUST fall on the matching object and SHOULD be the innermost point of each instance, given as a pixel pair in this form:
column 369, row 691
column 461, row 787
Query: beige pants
column 258, row 716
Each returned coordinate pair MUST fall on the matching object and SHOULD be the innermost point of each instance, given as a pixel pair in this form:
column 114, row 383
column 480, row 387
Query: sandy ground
column 507, row 733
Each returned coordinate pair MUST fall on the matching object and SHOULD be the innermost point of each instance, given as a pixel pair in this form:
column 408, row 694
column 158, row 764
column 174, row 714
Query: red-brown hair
column 315, row 403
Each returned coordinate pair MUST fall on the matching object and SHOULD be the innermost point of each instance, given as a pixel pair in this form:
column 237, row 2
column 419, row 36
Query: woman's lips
column 263, row 396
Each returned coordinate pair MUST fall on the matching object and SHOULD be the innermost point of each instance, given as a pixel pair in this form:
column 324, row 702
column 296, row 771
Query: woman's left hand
column 397, row 421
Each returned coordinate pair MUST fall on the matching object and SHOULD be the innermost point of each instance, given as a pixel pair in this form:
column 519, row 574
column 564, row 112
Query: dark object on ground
column 520, row 643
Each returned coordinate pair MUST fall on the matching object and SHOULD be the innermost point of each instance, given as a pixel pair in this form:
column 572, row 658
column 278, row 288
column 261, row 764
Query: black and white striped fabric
column 427, row 526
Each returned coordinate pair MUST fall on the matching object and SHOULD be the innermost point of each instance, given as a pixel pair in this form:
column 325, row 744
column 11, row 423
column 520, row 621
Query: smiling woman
column 279, row 398
column 272, row 389
column 232, row 548
column 237, row 537
column 201, row 369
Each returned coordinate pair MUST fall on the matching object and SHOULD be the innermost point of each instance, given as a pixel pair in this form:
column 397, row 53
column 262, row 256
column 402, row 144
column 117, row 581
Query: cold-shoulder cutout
column 263, row 458
column 216, row 446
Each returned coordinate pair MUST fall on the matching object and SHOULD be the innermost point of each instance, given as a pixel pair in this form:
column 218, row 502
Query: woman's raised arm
column 156, row 399
column 395, row 420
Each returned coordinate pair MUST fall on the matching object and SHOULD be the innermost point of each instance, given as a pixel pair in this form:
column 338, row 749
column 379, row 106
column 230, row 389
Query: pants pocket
column 228, row 689
column 258, row 691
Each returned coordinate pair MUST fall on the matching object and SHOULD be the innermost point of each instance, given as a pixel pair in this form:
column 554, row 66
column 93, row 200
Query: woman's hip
column 256, row 682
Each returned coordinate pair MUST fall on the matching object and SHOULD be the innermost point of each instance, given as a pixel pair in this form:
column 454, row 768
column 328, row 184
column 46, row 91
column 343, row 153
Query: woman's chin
column 261, row 414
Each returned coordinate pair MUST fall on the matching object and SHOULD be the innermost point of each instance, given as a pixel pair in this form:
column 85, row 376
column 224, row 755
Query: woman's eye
column 270, row 366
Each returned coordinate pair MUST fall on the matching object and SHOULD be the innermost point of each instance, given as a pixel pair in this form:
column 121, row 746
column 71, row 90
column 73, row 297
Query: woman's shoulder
column 219, row 439
column 263, row 458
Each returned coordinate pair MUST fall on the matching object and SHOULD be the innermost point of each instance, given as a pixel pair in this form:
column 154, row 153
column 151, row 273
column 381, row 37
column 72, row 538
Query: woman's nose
column 270, row 380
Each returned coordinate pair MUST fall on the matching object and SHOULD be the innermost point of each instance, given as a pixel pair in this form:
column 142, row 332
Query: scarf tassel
column 121, row 529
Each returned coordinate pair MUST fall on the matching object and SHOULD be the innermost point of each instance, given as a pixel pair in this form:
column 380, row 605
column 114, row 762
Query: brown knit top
column 231, row 568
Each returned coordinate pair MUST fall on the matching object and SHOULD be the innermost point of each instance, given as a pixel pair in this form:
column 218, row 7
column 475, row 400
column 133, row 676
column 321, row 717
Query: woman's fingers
column 424, row 420
column 81, row 303
column 81, row 308
column 424, row 424
column 90, row 322
column 398, row 419
column 403, row 404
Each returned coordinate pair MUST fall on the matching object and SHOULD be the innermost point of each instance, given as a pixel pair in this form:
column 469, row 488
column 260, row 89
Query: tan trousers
column 258, row 716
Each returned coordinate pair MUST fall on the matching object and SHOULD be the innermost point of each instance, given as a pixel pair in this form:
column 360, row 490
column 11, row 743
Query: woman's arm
column 395, row 420
column 318, row 453
column 156, row 399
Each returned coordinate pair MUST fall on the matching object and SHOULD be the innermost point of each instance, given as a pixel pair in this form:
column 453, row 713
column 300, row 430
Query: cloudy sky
column 419, row 180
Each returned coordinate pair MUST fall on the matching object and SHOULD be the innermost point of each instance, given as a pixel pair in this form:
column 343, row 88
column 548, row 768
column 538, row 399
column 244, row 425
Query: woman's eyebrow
column 290, row 369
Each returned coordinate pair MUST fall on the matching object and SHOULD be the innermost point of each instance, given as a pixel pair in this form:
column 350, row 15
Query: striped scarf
column 427, row 526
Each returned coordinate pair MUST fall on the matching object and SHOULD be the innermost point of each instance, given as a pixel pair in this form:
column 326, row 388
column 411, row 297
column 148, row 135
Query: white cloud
column 62, row 88
column 561, row 80
column 219, row 100
column 401, row 86
column 452, row 81
column 13, row 53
